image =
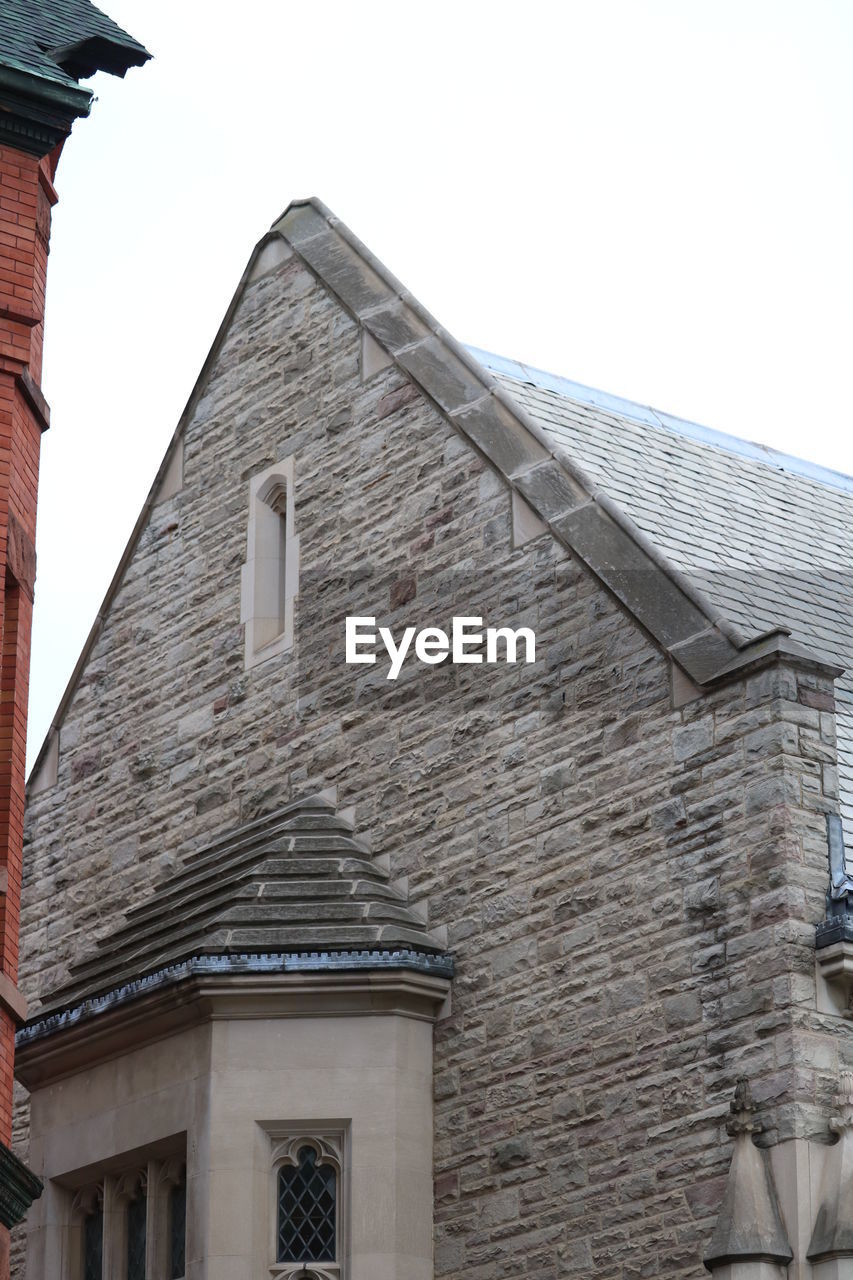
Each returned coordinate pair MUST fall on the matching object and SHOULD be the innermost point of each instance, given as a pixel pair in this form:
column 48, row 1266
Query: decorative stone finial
column 749, row 1227
column 844, row 1104
column 742, row 1111
column 832, row 1238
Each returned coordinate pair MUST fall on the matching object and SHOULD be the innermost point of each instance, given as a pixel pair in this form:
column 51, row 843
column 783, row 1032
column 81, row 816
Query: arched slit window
column 269, row 583
column 93, row 1243
column 177, row 1230
column 307, row 1209
column 137, row 1214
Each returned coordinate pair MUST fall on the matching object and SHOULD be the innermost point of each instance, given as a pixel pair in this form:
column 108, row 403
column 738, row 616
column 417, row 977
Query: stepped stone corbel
column 749, row 1240
column 831, row 1248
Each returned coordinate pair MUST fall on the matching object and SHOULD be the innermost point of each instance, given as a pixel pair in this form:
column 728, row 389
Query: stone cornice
column 205, row 992
column 36, row 113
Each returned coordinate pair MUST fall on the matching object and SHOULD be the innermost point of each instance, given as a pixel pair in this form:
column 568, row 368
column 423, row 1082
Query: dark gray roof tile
column 767, row 538
column 63, row 40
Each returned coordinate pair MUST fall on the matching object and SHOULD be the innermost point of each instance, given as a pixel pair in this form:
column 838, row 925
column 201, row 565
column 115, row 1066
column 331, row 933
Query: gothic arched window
column 270, row 575
column 307, row 1209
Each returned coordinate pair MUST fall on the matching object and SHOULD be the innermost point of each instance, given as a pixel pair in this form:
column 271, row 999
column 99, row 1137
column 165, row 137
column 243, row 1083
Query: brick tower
column 46, row 47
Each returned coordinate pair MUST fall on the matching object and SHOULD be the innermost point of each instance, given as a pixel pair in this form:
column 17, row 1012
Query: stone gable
column 629, row 889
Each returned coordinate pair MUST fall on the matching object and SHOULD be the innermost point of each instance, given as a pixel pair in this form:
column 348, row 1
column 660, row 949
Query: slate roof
column 292, row 882
column 62, row 40
column 767, row 537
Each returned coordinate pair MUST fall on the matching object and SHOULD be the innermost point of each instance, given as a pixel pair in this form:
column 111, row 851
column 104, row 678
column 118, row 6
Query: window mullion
column 115, row 1248
column 155, row 1225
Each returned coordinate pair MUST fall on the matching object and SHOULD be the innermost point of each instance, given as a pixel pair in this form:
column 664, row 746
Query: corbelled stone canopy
column 296, row 881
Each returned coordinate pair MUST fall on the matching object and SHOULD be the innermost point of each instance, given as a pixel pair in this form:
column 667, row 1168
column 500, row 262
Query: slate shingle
column 31, row 31
column 770, row 543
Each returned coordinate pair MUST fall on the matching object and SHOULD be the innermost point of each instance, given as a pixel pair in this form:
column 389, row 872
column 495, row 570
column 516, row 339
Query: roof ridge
column 650, row 416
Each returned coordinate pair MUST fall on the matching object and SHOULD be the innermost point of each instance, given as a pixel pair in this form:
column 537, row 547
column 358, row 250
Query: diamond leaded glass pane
column 93, row 1245
column 306, row 1210
column 136, row 1214
column 177, row 1231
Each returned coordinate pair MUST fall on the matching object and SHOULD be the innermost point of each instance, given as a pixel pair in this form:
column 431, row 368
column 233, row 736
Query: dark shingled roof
column 768, row 537
column 64, row 40
column 294, row 881
column 46, row 46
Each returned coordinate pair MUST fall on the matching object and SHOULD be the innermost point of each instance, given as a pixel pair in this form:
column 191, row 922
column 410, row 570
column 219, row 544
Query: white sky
column 654, row 197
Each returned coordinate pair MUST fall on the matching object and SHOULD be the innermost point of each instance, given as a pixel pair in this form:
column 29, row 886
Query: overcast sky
column 653, row 197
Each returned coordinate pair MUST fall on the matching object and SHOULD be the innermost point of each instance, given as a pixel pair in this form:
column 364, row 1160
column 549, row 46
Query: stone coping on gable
column 585, row 519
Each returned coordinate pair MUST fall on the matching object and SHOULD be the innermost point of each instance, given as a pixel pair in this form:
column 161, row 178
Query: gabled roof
column 46, row 46
column 293, row 883
column 696, row 629
column 767, row 537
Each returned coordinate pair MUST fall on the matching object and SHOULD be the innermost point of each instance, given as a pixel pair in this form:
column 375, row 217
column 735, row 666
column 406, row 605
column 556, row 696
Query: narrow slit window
column 93, row 1244
column 269, row 582
column 137, row 1212
column 270, row 561
column 177, row 1231
column 307, row 1210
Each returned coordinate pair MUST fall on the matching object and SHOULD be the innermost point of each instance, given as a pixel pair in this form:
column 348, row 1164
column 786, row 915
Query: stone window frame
column 112, row 1192
column 85, row 1203
column 270, row 574
column 331, row 1144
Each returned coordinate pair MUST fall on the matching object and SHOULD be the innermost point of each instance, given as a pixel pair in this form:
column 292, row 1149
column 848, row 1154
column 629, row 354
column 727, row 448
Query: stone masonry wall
column 629, row 889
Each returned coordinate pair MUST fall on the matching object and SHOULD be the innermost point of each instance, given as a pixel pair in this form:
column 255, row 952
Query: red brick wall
column 26, row 197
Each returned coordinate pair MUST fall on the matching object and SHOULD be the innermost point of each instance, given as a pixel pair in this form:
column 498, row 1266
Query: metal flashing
column 438, row 965
column 651, row 417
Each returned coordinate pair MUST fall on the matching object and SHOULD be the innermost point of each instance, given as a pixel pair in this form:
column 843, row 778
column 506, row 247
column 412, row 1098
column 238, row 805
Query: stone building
column 45, row 49
column 496, row 968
